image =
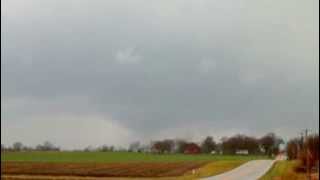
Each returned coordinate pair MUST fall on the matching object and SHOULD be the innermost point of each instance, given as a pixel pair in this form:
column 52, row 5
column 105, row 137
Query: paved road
column 251, row 170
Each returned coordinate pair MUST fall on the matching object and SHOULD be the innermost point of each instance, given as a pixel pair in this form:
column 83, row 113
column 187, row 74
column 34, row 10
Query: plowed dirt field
column 99, row 169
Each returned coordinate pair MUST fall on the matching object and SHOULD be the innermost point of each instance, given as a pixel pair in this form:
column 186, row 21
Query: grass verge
column 282, row 170
column 213, row 168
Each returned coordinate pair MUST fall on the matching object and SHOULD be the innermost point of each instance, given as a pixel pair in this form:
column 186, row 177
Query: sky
column 93, row 72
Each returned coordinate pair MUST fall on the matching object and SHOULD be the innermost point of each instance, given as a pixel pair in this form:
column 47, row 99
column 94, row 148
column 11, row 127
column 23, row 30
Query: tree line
column 19, row 146
column 267, row 144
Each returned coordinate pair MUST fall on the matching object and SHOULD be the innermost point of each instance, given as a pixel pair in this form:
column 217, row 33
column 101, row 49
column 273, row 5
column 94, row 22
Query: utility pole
column 306, row 133
column 307, row 153
column 302, row 140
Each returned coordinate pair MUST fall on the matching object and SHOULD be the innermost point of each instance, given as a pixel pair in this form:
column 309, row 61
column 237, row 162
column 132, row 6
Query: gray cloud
column 151, row 67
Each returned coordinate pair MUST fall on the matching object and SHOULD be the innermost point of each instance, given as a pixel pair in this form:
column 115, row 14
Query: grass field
column 117, row 164
column 284, row 170
column 115, row 157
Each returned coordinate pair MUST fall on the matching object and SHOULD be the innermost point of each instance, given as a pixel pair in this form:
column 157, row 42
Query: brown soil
column 25, row 169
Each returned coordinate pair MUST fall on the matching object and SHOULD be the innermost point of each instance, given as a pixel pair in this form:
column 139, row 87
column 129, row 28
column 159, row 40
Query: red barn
column 192, row 148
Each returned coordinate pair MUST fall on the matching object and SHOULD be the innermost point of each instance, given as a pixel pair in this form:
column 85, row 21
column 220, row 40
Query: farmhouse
column 192, row 148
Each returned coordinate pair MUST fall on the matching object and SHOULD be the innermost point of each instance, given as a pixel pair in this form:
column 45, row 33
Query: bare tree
column 105, row 148
column 208, row 145
column 240, row 142
column 270, row 143
column 165, row 146
column 17, row 146
column 47, row 146
column 134, row 147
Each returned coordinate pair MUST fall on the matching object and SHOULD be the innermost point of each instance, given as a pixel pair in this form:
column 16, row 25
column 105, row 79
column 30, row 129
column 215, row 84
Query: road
column 251, row 170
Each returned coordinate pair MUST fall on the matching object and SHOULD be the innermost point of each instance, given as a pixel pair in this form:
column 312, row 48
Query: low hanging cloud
column 143, row 70
column 64, row 122
column 68, row 131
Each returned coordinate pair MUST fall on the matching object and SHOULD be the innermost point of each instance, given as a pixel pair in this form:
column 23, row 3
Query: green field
column 116, row 157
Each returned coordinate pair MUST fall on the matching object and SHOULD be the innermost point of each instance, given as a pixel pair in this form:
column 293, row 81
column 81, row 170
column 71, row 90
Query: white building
column 242, row 152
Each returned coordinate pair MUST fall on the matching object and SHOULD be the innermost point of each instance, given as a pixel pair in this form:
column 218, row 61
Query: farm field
column 208, row 169
column 100, row 169
column 115, row 157
column 116, row 164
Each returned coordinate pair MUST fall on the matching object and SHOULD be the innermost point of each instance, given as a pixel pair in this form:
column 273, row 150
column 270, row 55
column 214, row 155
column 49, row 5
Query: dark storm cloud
column 150, row 67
